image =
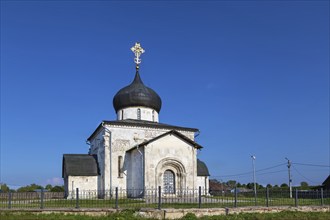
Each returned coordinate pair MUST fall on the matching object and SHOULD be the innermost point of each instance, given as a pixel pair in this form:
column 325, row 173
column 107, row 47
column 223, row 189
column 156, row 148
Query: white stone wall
column 135, row 178
column 147, row 114
column 170, row 152
column 203, row 181
column 97, row 148
column 111, row 143
column 83, row 183
column 122, row 139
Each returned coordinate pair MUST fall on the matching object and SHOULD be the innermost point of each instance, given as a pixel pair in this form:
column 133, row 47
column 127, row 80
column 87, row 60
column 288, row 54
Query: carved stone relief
column 152, row 134
column 120, row 145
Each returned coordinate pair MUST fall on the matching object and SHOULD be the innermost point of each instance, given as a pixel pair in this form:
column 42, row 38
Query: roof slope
column 141, row 123
column 79, row 165
column 326, row 181
column 173, row 132
column 202, row 169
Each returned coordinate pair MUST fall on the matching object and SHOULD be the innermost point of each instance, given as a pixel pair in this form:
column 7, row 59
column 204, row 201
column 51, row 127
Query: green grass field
column 129, row 215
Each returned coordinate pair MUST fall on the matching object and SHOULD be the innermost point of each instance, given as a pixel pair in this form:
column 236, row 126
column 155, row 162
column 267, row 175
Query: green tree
column 4, row 187
column 269, row 186
column 231, row 183
column 284, row 185
column 57, row 189
column 48, row 187
column 29, row 188
column 304, row 185
column 250, row 185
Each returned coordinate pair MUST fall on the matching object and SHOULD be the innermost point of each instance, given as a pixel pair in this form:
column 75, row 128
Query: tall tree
column 304, row 185
column 57, row 189
column 29, row 188
column 4, row 187
column 48, row 187
column 231, row 183
column 259, row 186
column 250, row 185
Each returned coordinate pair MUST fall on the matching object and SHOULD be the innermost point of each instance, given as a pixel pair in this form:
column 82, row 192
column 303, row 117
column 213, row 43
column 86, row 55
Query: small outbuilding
column 80, row 171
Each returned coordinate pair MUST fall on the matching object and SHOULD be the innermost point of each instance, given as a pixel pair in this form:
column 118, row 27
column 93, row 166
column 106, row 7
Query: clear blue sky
column 253, row 76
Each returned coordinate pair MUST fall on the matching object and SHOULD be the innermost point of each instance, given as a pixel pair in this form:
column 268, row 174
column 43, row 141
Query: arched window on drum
column 139, row 114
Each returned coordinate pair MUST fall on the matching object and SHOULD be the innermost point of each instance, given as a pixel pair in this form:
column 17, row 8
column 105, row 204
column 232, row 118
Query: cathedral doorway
column 169, row 182
column 171, row 176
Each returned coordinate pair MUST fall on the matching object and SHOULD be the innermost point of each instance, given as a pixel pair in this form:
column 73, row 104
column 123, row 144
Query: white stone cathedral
column 136, row 151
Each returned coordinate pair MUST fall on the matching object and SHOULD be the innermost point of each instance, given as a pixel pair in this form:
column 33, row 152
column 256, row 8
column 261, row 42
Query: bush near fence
column 157, row 198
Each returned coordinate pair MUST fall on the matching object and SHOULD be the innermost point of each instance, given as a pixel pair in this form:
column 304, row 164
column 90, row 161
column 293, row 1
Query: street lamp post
column 254, row 179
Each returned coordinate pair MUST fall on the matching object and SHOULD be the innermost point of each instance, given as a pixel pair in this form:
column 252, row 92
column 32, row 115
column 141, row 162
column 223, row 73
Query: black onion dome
column 137, row 94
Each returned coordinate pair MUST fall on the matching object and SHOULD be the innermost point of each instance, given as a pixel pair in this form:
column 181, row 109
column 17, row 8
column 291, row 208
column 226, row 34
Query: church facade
column 136, row 151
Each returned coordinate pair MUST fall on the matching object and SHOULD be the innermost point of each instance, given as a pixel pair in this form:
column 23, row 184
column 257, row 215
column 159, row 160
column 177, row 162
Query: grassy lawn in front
column 129, row 215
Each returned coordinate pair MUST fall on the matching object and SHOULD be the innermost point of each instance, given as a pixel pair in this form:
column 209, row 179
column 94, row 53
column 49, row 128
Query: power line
column 279, row 171
column 272, row 167
column 249, row 173
column 268, row 168
column 313, row 165
column 304, row 176
column 239, row 174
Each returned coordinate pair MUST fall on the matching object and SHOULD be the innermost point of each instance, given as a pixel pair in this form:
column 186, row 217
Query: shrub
column 189, row 216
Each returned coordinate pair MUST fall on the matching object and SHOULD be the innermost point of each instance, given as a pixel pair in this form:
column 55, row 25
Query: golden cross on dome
column 137, row 50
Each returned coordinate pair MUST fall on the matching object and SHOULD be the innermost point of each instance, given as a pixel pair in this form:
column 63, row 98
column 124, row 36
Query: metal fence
column 158, row 199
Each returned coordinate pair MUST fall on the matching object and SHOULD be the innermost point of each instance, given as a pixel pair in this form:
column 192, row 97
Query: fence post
column 267, row 197
column 77, row 198
column 296, row 198
column 41, row 198
column 9, row 200
column 199, row 197
column 255, row 198
column 322, row 201
column 116, row 202
column 159, row 197
column 235, row 196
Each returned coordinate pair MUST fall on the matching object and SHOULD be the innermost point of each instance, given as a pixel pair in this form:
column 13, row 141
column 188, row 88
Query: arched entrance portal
column 171, row 175
column 169, row 182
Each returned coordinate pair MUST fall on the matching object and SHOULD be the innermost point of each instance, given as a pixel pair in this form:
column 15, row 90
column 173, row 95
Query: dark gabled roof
column 326, row 181
column 141, row 123
column 202, row 169
column 173, row 132
column 79, row 165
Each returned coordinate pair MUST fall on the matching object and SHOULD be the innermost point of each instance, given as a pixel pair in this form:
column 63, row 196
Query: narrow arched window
column 122, row 114
column 120, row 166
column 139, row 114
column 153, row 115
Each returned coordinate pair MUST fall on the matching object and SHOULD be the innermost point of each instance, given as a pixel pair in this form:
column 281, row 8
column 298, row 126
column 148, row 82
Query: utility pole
column 254, row 179
column 290, row 179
